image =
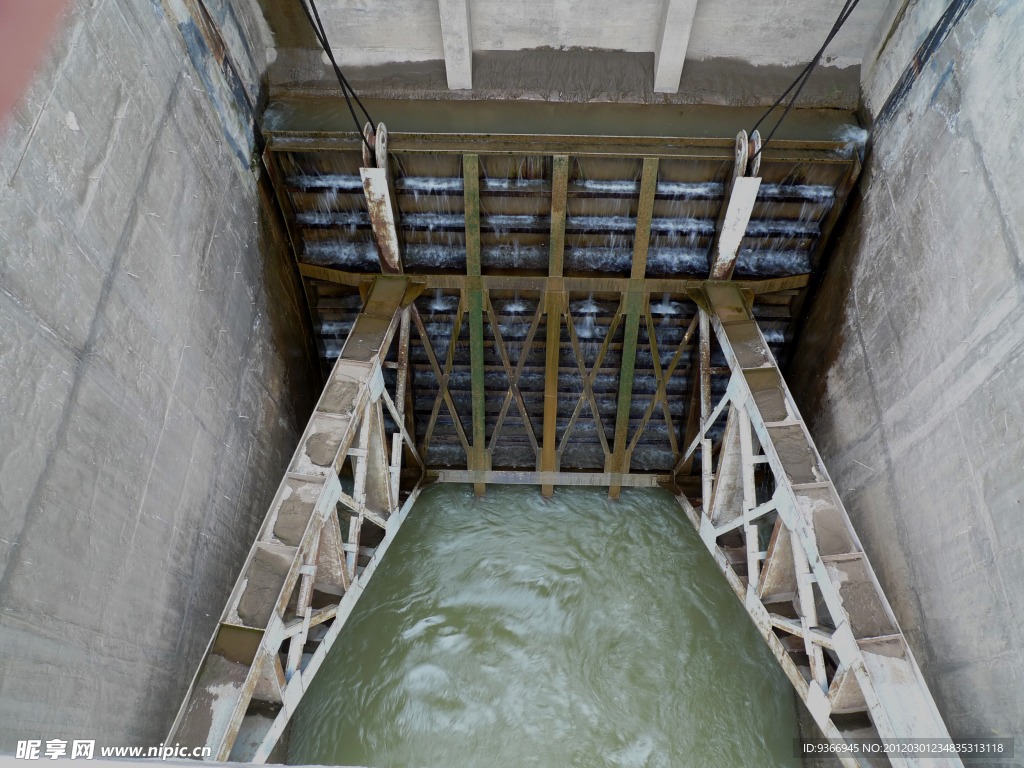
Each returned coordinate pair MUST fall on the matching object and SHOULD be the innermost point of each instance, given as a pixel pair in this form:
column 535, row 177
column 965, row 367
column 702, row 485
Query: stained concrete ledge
column 328, row 113
column 577, row 76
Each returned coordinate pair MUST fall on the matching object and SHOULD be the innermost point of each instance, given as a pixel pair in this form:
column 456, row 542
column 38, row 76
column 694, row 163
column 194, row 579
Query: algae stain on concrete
column 577, row 631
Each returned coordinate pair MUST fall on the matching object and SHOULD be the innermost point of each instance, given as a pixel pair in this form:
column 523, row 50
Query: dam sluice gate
column 559, row 310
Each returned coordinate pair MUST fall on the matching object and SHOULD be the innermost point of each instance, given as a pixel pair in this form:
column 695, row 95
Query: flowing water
column 575, row 631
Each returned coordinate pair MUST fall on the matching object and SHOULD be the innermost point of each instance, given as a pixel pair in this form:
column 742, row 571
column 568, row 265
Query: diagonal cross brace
column 588, row 377
column 513, row 375
column 442, row 381
column 662, row 380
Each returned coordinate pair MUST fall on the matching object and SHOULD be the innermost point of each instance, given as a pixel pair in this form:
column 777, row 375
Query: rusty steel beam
column 644, row 214
column 734, row 215
column 575, row 284
column 471, row 195
column 598, row 479
column 614, row 464
column 825, row 152
column 634, row 301
column 382, row 218
column 475, row 300
column 554, row 302
column 559, row 187
column 732, row 226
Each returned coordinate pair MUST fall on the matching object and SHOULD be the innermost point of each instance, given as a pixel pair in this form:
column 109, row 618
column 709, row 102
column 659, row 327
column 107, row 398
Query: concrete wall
column 779, row 32
column 155, row 370
column 911, row 365
column 575, row 50
column 576, row 76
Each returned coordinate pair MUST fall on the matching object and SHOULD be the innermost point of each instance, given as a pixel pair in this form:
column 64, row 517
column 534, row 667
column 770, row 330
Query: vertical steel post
column 616, row 463
column 475, row 299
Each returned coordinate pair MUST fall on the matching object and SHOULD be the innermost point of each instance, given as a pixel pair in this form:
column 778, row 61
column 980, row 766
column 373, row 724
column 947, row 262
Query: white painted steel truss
column 769, row 514
column 810, row 591
column 303, row 575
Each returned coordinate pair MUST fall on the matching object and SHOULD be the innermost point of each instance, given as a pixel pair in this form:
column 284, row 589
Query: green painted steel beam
column 642, row 241
column 616, row 463
column 475, row 299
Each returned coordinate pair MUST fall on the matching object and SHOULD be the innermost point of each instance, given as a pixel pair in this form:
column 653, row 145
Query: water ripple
column 575, row 631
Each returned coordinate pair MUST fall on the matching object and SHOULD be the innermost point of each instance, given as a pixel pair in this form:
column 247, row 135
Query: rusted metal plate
column 382, row 218
column 734, row 226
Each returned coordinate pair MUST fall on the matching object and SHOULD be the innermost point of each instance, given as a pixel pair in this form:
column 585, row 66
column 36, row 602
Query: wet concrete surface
column 910, row 364
column 156, row 369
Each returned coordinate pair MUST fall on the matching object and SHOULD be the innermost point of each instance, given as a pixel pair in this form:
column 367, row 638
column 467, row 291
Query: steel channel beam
column 554, row 301
column 475, row 304
column 596, row 479
column 559, row 187
column 635, row 295
column 830, row 152
column 631, row 328
column 575, row 284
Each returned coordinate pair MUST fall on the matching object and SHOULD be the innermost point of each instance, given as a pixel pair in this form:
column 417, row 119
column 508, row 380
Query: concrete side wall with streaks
column 155, row 371
column 911, row 363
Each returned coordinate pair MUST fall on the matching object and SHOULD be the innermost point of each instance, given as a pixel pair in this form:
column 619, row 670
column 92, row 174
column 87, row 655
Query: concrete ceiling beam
column 673, row 39
column 458, row 43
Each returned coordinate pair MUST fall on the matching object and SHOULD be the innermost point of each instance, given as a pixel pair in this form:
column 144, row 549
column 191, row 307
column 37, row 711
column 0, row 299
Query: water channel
column 575, row 631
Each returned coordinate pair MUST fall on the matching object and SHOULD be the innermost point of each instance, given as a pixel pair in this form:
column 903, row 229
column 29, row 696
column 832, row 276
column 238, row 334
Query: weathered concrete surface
column 911, row 365
column 778, row 32
column 566, row 50
column 554, row 75
column 155, row 370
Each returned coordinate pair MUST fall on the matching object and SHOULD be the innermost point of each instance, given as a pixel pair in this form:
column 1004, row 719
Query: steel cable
column 804, row 76
column 346, row 88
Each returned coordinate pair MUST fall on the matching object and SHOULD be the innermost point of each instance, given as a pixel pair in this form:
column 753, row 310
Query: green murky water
column 576, row 631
